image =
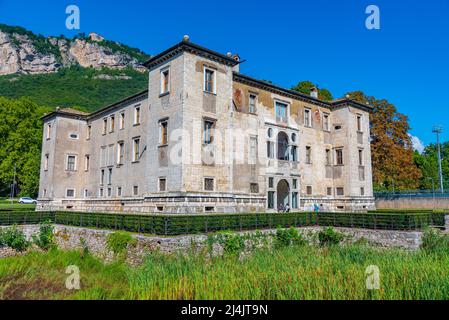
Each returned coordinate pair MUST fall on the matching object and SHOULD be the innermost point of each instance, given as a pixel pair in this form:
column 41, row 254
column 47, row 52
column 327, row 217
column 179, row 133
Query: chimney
column 314, row 92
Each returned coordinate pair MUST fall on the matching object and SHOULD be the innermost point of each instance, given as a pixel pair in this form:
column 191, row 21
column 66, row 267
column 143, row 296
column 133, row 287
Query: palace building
column 206, row 138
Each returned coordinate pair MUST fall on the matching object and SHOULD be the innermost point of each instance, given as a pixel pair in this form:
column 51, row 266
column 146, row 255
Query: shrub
column 15, row 239
column 288, row 237
column 45, row 239
column 118, row 242
column 233, row 244
column 329, row 236
column 434, row 240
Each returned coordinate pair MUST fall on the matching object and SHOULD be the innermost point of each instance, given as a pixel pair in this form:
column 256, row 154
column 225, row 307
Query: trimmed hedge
column 192, row 224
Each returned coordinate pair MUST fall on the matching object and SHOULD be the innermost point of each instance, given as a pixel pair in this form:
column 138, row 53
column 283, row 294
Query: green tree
column 427, row 162
column 306, row 86
column 21, row 139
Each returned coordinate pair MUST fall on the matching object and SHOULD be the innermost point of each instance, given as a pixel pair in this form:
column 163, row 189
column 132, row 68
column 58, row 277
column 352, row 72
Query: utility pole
column 437, row 130
column 13, row 186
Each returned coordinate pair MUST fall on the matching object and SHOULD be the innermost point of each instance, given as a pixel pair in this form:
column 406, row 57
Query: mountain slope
column 23, row 52
column 86, row 88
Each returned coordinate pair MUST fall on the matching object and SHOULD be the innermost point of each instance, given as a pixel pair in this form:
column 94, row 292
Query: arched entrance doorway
column 283, row 192
column 282, row 146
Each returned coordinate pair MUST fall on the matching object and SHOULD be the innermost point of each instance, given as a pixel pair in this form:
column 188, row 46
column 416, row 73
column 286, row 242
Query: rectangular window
column 105, row 125
column 109, row 192
column 70, row 193
column 85, row 193
column 102, row 173
column 270, row 199
column 362, row 191
column 326, row 126
column 135, row 190
column 101, row 193
column 359, row 123
column 162, row 184
column 136, row 149
column 112, row 124
column 163, row 132
column 340, row 191
column 254, row 187
column 295, row 184
column 110, row 176
column 209, row 184
column 270, row 149
column 294, row 153
column 86, row 162
column 44, row 193
column 209, row 127
column 48, row 131
column 46, row 162
column 71, row 163
column 294, row 200
column 136, row 116
column 165, row 81
column 209, row 80
column 360, row 157
column 309, row 190
column 328, row 157
column 122, row 120
column 89, row 132
column 281, row 112
column 119, row 191
column 270, row 182
column 307, row 118
column 120, row 152
column 339, row 157
column 252, row 103
column 329, row 191
column 308, row 155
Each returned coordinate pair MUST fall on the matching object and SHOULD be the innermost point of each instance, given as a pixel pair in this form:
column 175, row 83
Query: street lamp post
column 437, row 130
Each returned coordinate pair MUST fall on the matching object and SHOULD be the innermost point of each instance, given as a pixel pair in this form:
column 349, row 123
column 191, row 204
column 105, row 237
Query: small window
column 339, row 157
column 270, row 149
column 270, row 133
column 109, row 192
column 160, row 209
column 359, row 123
column 112, row 124
column 165, row 81
column 135, row 190
column 70, row 193
column 85, row 193
column 252, row 103
column 89, row 132
column 329, row 191
column 49, row 131
column 209, row 209
column 281, row 112
column 101, row 192
column 44, row 193
column 362, row 191
column 86, row 162
column 209, row 184
column 119, row 191
column 340, row 191
column 102, row 175
column 136, row 116
column 308, row 155
column 295, row 183
column 209, row 80
column 136, row 149
column 309, row 190
column 326, row 126
column 163, row 132
column 162, row 184
column 105, row 125
column 71, row 163
column 270, row 182
column 294, row 200
column 122, row 120
column 293, row 137
column 328, row 157
column 307, row 118
column 270, row 199
column 209, row 127
column 47, row 156
column 73, row 136
column 254, row 188
column 337, row 127
column 110, row 176
column 120, row 152
column 294, row 153
column 360, row 157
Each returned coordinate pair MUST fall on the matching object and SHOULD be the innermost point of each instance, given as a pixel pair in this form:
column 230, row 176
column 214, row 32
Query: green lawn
column 298, row 272
column 5, row 204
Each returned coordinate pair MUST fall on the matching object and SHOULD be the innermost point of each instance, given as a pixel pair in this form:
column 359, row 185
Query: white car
column 26, row 200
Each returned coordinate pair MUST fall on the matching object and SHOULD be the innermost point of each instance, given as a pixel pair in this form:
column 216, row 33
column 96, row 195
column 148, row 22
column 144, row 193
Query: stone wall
column 413, row 203
column 69, row 238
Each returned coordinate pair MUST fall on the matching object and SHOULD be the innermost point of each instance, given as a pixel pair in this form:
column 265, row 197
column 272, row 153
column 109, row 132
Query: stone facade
column 209, row 139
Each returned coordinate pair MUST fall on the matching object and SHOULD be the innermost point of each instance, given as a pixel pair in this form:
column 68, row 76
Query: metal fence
column 390, row 195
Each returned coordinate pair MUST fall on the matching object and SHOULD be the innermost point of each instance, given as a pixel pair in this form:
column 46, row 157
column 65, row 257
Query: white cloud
column 418, row 145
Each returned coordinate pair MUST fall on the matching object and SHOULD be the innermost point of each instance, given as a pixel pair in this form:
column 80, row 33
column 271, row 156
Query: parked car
column 26, row 200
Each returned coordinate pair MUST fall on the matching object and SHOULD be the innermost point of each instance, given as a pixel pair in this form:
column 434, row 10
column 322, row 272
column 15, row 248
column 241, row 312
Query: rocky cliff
column 23, row 52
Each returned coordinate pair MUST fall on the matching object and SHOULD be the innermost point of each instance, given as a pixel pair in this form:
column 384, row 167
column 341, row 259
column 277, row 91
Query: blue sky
column 405, row 62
